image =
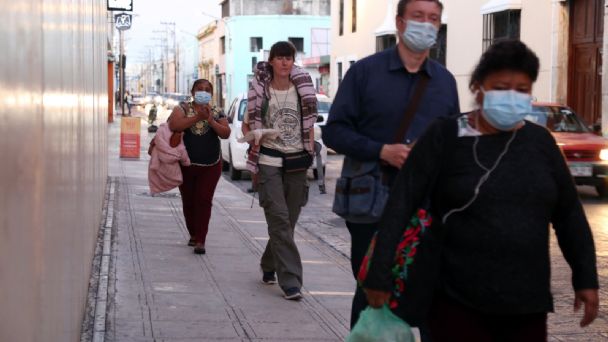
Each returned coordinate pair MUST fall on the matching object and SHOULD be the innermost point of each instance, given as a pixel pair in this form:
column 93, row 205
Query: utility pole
column 122, row 22
column 121, row 71
column 175, row 61
column 163, row 57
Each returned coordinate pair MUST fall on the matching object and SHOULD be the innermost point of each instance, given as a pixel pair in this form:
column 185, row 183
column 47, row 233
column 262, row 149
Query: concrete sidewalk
column 160, row 291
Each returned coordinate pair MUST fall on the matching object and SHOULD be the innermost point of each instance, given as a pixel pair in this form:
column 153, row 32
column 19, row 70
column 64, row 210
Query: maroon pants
column 197, row 196
column 454, row 322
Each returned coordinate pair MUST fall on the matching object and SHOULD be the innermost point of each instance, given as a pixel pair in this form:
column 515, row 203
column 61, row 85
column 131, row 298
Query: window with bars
column 254, row 62
column 320, row 41
column 341, row 18
column 223, row 45
column 439, row 51
column 384, row 42
column 499, row 26
column 225, row 8
column 354, row 16
column 255, row 44
column 298, row 43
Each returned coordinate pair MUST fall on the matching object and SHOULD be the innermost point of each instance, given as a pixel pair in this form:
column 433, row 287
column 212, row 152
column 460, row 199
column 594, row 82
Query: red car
column 585, row 152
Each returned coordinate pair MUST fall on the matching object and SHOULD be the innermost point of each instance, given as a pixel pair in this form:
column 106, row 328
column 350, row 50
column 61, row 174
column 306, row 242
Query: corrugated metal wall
column 53, row 162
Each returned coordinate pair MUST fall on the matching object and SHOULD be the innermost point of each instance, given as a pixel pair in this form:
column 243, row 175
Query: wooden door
column 585, row 62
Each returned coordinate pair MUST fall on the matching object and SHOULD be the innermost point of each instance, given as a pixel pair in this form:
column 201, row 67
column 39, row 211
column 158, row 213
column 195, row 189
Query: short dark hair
column 199, row 81
column 282, row 49
column 402, row 3
column 506, row 55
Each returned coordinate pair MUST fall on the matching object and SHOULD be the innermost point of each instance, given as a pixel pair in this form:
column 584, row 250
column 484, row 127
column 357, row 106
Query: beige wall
column 464, row 26
column 537, row 32
column 209, row 53
column 352, row 46
column 543, row 27
column 53, row 149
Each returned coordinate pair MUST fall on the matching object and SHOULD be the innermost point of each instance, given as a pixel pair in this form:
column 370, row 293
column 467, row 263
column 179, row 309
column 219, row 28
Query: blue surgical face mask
column 419, row 36
column 505, row 109
column 202, row 97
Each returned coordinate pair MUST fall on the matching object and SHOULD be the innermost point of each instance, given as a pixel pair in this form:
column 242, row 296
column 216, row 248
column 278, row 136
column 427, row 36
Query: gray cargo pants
column 282, row 195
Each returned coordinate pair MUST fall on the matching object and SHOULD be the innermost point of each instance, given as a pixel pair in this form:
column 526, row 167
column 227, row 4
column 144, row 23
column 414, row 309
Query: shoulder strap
column 412, row 106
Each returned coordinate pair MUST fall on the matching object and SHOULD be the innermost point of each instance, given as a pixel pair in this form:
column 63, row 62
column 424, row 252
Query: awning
column 316, row 61
column 388, row 25
column 494, row 6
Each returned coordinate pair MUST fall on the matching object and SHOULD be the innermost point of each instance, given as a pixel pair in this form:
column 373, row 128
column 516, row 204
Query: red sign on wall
column 130, row 137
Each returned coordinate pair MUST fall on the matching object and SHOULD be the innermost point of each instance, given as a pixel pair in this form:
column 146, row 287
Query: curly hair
column 510, row 55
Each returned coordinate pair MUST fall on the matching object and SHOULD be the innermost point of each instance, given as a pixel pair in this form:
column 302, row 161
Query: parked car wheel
column 234, row 173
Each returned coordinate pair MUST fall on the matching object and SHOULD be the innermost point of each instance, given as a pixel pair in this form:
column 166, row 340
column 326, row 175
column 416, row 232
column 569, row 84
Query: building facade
column 567, row 36
column 209, row 57
column 229, row 58
column 244, row 51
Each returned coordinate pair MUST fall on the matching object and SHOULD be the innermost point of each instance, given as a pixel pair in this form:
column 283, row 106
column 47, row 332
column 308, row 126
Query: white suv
column 234, row 153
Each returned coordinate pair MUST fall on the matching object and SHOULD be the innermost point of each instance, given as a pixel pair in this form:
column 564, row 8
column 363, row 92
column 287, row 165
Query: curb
column 94, row 324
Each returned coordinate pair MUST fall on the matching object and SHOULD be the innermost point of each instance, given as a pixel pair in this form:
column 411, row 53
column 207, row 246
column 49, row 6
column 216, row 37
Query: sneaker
column 293, row 293
column 268, row 278
column 199, row 249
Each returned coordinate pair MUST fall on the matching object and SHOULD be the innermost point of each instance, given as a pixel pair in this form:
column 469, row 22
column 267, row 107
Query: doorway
column 585, row 61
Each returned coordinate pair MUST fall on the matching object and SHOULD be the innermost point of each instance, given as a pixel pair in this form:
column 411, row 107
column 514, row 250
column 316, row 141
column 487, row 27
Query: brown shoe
column 199, row 248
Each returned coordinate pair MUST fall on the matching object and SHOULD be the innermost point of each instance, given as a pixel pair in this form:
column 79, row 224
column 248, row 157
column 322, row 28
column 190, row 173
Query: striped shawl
column 259, row 91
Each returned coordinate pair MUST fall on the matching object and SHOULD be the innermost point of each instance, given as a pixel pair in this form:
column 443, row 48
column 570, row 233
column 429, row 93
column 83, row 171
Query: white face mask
column 505, row 109
column 419, row 36
column 202, row 97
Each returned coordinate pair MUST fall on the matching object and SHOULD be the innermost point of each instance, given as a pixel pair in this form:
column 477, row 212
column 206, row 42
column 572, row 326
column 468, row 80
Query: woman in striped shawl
column 281, row 97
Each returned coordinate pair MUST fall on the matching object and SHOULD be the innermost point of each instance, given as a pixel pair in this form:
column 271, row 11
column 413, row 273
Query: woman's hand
column 376, row 298
column 591, row 300
column 221, row 127
column 203, row 112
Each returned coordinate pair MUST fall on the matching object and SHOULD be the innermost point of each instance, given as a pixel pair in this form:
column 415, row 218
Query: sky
column 148, row 15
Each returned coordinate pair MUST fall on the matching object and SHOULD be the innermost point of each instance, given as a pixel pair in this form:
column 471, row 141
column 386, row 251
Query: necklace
column 281, row 106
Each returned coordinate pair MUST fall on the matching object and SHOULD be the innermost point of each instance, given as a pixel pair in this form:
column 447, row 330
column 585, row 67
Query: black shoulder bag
column 362, row 189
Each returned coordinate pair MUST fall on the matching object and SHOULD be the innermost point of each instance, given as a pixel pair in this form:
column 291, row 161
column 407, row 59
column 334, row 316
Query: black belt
column 276, row 153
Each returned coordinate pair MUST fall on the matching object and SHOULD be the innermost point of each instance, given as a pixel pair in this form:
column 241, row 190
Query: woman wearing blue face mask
column 203, row 125
column 496, row 184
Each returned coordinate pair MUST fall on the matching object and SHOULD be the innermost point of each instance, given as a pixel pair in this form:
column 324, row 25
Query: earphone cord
column 483, row 178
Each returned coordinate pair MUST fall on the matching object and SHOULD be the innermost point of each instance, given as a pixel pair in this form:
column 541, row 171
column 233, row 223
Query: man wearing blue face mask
column 372, row 101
